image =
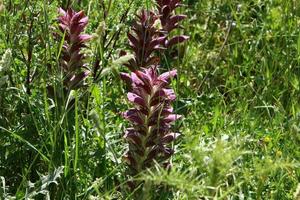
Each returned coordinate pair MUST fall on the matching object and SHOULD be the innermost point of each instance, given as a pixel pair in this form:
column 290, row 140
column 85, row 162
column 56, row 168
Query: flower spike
column 152, row 116
column 144, row 40
column 170, row 21
column 72, row 24
column 151, row 119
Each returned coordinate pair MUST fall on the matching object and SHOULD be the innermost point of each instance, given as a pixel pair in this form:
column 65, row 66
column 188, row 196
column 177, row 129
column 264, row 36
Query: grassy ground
column 238, row 89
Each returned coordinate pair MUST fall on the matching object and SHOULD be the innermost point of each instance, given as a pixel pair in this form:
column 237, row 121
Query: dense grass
column 238, row 89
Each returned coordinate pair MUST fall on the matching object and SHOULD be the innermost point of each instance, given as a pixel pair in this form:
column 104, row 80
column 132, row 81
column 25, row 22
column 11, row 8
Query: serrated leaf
column 41, row 186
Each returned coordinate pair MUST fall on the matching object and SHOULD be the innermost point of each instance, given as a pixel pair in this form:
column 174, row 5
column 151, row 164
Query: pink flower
column 152, row 115
column 144, row 40
column 170, row 21
column 71, row 25
column 151, row 118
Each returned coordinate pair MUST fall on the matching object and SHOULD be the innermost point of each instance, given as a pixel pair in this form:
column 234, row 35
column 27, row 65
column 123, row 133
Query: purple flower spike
column 144, row 39
column 151, row 118
column 72, row 24
column 170, row 21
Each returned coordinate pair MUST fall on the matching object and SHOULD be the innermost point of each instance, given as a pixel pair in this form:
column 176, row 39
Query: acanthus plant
column 150, row 136
column 151, row 118
column 144, row 40
column 170, row 21
column 71, row 25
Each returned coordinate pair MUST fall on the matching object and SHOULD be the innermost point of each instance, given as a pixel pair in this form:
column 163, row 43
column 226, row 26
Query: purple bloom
column 72, row 24
column 170, row 21
column 144, row 40
column 150, row 134
column 151, row 118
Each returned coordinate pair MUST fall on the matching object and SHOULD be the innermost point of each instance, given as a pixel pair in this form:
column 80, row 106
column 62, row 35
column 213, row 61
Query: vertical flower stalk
column 144, row 40
column 151, row 117
column 170, row 21
column 5, row 63
column 72, row 24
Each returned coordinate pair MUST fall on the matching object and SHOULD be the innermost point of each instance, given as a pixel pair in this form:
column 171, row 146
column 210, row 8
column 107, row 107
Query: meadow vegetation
column 237, row 90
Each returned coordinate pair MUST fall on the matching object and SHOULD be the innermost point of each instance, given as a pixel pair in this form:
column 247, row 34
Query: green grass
column 238, row 89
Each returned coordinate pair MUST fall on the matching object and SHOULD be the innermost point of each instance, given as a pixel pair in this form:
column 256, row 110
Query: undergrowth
column 237, row 89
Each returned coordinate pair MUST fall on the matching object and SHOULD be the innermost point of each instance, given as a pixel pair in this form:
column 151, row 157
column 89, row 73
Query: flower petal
column 126, row 77
column 132, row 136
column 84, row 37
column 134, row 116
column 167, row 76
column 169, row 138
column 136, row 99
column 176, row 40
column 171, row 118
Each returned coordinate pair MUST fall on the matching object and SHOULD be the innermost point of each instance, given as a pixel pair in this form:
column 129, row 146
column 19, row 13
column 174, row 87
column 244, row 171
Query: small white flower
column 239, row 7
column 224, row 137
column 5, row 61
column 206, row 160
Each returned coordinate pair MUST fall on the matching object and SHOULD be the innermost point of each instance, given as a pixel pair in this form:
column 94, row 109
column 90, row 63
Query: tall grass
column 237, row 88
